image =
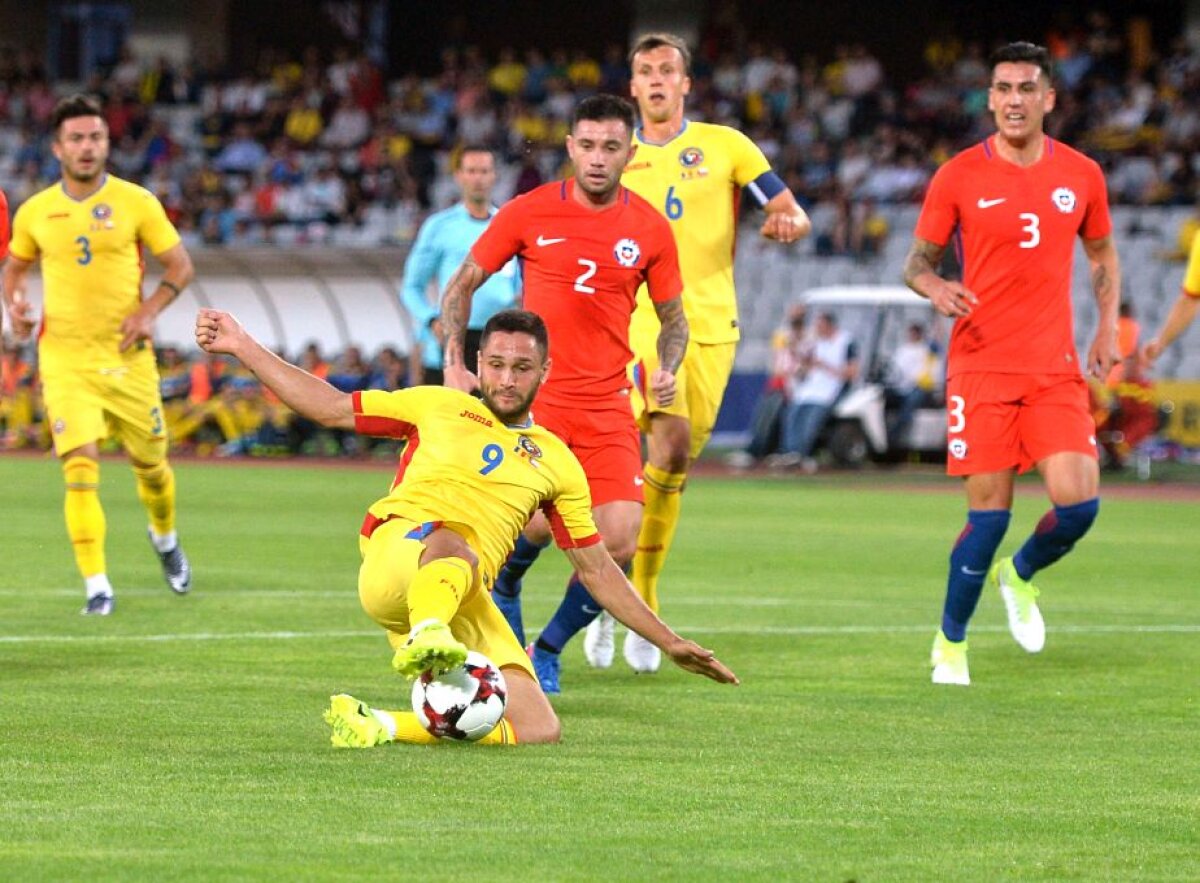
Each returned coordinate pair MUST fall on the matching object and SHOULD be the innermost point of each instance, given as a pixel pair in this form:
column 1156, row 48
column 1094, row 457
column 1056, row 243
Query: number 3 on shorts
column 958, row 419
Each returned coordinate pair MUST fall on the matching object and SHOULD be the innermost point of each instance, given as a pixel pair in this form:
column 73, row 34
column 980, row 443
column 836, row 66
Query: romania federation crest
column 102, row 211
column 690, row 157
column 627, row 252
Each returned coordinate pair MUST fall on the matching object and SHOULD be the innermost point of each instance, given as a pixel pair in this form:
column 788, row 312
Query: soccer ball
column 464, row 703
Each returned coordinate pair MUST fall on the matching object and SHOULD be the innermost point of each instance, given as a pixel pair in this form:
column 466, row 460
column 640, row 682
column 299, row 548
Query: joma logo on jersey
column 627, row 252
column 478, row 418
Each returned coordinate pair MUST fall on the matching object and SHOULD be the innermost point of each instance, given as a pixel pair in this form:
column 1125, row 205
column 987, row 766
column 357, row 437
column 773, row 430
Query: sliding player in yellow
column 472, row 474
column 94, row 353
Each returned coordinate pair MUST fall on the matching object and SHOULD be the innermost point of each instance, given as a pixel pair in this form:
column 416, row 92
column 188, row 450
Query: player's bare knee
column 445, row 543
column 541, row 732
column 622, row 548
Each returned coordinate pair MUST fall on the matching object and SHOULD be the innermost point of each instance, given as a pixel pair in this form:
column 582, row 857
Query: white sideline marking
column 352, row 593
column 1177, row 628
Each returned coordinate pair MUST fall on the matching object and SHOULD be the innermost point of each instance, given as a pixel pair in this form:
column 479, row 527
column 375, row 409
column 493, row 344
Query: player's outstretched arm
column 786, row 220
column 1182, row 313
column 1106, row 286
column 456, row 312
column 20, row 311
column 609, row 586
column 177, row 274
column 219, row 332
column 948, row 297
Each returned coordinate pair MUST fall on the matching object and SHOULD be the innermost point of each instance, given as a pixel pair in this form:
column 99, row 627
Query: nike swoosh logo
column 988, row 203
column 969, row 572
column 592, row 610
column 542, row 240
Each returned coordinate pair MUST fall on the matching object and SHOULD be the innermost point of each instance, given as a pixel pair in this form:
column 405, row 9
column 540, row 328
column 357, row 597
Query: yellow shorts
column 90, row 404
column 390, row 561
column 699, row 385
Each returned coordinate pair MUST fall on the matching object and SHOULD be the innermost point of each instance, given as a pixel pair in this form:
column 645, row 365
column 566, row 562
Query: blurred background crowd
column 320, row 146
column 323, row 147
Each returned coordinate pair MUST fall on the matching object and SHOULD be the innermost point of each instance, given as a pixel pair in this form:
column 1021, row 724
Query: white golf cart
column 876, row 317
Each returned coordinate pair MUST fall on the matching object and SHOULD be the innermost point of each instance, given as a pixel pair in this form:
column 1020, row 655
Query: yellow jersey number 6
column 674, row 205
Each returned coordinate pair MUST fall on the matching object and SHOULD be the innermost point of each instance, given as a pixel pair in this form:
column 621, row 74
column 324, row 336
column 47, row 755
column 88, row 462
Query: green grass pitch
column 181, row 738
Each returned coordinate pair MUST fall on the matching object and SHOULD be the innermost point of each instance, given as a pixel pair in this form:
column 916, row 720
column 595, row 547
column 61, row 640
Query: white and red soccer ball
column 463, row 703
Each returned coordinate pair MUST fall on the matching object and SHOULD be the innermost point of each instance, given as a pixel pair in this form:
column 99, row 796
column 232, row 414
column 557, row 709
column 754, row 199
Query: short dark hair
column 657, row 40
column 604, row 107
column 517, row 322
column 471, row 148
column 1030, row 53
column 77, row 105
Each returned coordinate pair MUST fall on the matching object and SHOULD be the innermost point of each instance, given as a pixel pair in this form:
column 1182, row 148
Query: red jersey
column 1016, row 230
column 581, row 271
column 3, row 226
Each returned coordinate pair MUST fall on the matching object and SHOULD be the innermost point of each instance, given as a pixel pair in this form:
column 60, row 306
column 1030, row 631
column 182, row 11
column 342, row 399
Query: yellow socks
column 85, row 518
column 156, row 490
column 664, row 492
column 437, row 590
column 403, row 726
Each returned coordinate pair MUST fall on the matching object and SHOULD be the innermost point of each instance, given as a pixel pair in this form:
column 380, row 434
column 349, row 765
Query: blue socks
column 577, row 610
column 969, row 563
column 1056, row 533
column 524, row 553
column 574, row 614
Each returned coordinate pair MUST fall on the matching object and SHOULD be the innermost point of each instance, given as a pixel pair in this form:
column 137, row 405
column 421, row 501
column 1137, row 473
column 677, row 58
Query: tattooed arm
column 672, row 344
column 1106, row 286
column 456, row 312
column 950, row 298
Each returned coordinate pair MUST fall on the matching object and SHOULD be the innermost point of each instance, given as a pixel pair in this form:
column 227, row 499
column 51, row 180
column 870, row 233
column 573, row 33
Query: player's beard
column 600, row 191
column 73, row 172
column 513, row 414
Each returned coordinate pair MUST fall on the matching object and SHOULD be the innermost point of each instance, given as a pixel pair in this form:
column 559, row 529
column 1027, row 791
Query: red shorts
column 1003, row 421
column 606, row 442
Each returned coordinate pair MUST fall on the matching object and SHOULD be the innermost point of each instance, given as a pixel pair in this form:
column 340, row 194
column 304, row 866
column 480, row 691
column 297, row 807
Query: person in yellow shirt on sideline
column 94, row 352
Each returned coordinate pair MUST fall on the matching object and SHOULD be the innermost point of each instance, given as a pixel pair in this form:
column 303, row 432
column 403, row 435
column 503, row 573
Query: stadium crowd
column 312, row 149
column 301, row 146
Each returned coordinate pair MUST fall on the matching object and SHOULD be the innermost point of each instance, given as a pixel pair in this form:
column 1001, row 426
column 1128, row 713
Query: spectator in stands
column 791, row 347
column 349, row 126
column 815, row 386
column 856, row 230
column 243, row 153
column 912, row 379
column 388, row 371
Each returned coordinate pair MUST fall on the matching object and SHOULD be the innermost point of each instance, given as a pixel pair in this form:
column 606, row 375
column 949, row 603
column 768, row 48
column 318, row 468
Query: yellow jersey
column 463, row 467
column 696, row 180
column 91, row 253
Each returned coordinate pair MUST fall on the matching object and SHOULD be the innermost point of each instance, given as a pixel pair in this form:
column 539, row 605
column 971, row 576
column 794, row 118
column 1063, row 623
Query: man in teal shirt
column 440, row 247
